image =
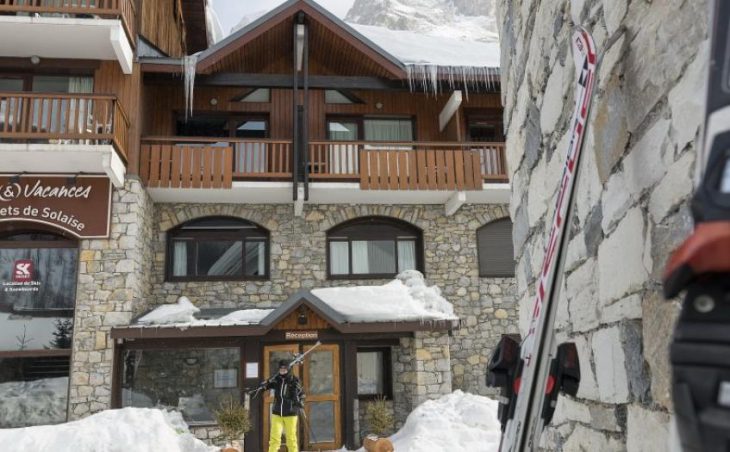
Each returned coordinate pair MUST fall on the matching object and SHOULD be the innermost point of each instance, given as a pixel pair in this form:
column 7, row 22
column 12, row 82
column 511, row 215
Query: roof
column 335, row 319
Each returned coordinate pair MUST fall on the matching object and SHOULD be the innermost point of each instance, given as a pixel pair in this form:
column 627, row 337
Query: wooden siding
column 165, row 102
column 109, row 79
column 291, row 322
column 162, row 24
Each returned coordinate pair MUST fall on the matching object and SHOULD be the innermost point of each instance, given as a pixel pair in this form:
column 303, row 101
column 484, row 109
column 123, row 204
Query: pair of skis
column 532, row 375
column 298, row 359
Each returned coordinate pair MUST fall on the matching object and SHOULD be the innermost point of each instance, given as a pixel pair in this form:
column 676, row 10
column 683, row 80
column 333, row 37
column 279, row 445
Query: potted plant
column 380, row 421
column 233, row 420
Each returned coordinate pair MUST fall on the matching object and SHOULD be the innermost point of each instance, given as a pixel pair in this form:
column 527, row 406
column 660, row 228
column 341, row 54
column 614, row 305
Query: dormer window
column 334, row 96
column 256, row 95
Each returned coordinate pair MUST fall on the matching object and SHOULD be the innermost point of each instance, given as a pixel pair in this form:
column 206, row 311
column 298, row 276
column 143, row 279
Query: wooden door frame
column 336, row 350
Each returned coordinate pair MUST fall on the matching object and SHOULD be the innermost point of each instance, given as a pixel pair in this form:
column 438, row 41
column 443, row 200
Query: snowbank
column 182, row 314
column 458, row 421
column 406, row 298
column 35, row 402
column 128, row 429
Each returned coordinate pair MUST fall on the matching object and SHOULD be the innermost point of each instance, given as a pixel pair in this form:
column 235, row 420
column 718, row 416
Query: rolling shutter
column 496, row 253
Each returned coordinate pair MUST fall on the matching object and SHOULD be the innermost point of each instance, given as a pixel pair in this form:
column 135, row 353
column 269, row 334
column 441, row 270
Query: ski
column 298, row 359
column 543, row 369
column 701, row 266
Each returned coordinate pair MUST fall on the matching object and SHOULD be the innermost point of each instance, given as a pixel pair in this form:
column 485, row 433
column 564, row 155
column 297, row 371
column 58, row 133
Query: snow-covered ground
column 455, row 422
column 33, row 402
column 128, row 429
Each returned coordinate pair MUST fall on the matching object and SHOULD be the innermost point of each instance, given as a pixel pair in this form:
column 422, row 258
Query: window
column 218, row 248
column 388, row 129
column 373, row 247
column 374, row 373
column 47, row 83
column 256, row 95
column 222, row 126
column 333, row 96
column 37, row 299
column 484, row 126
column 494, row 246
column 202, row 378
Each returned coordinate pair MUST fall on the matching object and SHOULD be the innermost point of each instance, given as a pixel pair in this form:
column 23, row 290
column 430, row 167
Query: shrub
column 233, row 419
column 379, row 417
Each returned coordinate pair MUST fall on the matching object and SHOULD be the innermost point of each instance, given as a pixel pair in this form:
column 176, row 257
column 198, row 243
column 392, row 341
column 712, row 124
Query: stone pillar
column 112, row 286
column 421, row 371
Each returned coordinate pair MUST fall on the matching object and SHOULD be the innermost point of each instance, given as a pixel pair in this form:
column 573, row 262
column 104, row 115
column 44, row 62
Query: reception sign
column 78, row 205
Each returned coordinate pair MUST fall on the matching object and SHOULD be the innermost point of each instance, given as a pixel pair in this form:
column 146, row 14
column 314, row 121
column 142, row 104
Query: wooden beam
column 285, row 81
column 451, row 107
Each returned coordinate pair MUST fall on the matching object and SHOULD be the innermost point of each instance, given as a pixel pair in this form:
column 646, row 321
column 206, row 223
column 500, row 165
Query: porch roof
column 213, row 323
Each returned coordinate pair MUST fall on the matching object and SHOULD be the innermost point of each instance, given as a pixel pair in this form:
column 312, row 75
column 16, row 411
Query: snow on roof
column 423, row 49
column 406, row 298
column 182, row 314
column 135, row 429
column 458, row 421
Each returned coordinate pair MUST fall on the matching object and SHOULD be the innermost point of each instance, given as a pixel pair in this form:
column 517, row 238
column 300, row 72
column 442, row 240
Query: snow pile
column 406, row 298
column 458, row 421
column 128, row 429
column 33, row 402
column 182, row 314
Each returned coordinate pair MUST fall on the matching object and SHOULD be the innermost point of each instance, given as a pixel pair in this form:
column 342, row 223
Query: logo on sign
column 23, row 271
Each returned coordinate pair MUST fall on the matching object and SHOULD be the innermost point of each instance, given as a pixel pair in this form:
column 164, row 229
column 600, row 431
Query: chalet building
column 142, row 164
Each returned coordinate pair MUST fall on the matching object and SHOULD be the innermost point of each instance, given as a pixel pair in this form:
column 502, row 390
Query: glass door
column 322, row 386
column 342, row 157
column 272, row 355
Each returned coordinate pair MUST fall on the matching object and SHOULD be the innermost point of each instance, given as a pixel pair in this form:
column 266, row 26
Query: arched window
column 38, row 277
column 494, row 246
column 373, row 247
column 217, row 249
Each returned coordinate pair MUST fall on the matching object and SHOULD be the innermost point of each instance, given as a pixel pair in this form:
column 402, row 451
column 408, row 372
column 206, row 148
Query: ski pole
column 303, row 414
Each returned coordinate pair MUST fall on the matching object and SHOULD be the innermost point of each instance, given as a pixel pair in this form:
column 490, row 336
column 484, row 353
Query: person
column 288, row 400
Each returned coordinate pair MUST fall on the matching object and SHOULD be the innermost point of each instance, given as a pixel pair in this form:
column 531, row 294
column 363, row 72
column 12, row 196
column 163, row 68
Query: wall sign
column 301, row 335
column 80, row 206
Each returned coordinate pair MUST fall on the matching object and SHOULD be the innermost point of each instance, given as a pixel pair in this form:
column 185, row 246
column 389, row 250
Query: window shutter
column 494, row 246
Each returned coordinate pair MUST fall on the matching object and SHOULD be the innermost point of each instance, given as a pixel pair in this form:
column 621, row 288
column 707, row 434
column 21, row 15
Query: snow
column 458, row 421
column 182, row 314
column 416, row 48
column 33, row 402
column 137, row 429
column 212, row 24
column 406, row 298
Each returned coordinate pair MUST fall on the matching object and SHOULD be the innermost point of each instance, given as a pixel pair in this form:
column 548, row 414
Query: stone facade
column 632, row 197
column 125, row 275
column 486, row 306
column 113, row 285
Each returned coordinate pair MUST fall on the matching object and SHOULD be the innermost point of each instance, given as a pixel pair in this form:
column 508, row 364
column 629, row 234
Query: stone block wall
column 487, row 306
column 632, row 196
column 113, row 285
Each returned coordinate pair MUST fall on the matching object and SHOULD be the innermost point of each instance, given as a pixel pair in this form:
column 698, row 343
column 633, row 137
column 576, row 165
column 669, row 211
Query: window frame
column 63, row 240
column 27, row 78
column 479, row 258
column 366, row 233
column 231, row 121
column 210, row 233
column 360, row 120
column 387, row 372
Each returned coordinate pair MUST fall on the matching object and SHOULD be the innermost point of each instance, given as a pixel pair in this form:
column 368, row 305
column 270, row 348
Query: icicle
column 189, row 63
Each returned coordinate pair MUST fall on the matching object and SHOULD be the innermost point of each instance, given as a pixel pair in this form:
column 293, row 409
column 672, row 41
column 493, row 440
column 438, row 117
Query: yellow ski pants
column 288, row 425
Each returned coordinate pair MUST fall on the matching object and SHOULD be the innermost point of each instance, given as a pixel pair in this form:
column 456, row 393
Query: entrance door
column 322, row 386
column 320, row 376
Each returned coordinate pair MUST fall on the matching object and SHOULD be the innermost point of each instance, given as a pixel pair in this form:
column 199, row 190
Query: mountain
column 471, row 20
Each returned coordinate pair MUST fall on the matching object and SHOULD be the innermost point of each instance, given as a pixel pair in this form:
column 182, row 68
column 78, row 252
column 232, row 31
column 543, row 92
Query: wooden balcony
column 63, row 119
column 124, row 10
column 409, row 166
column 191, row 162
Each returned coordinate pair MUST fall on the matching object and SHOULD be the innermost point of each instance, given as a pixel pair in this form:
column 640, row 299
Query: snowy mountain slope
column 473, row 20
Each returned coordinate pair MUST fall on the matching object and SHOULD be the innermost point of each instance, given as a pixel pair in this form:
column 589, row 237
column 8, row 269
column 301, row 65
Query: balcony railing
column 192, row 162
column 409, row 165
column 63, row 119
column 123, row 10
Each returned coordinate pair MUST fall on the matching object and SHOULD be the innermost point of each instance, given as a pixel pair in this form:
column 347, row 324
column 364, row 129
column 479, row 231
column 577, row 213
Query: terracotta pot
column 374, row 444
column 233, row 446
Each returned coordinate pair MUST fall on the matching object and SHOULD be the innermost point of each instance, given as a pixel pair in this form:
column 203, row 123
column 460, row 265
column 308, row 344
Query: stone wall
column 487, row 306
column 632, row 196
column 113, row 285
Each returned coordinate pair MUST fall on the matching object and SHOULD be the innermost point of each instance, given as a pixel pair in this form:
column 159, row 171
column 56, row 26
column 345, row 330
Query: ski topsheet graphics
column 523, row 430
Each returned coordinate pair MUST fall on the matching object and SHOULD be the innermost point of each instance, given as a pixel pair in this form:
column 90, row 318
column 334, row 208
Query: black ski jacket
column 288, row 394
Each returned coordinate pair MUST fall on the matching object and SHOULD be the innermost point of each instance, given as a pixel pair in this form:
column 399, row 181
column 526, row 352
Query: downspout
column 305, row 125
column 295, row 122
